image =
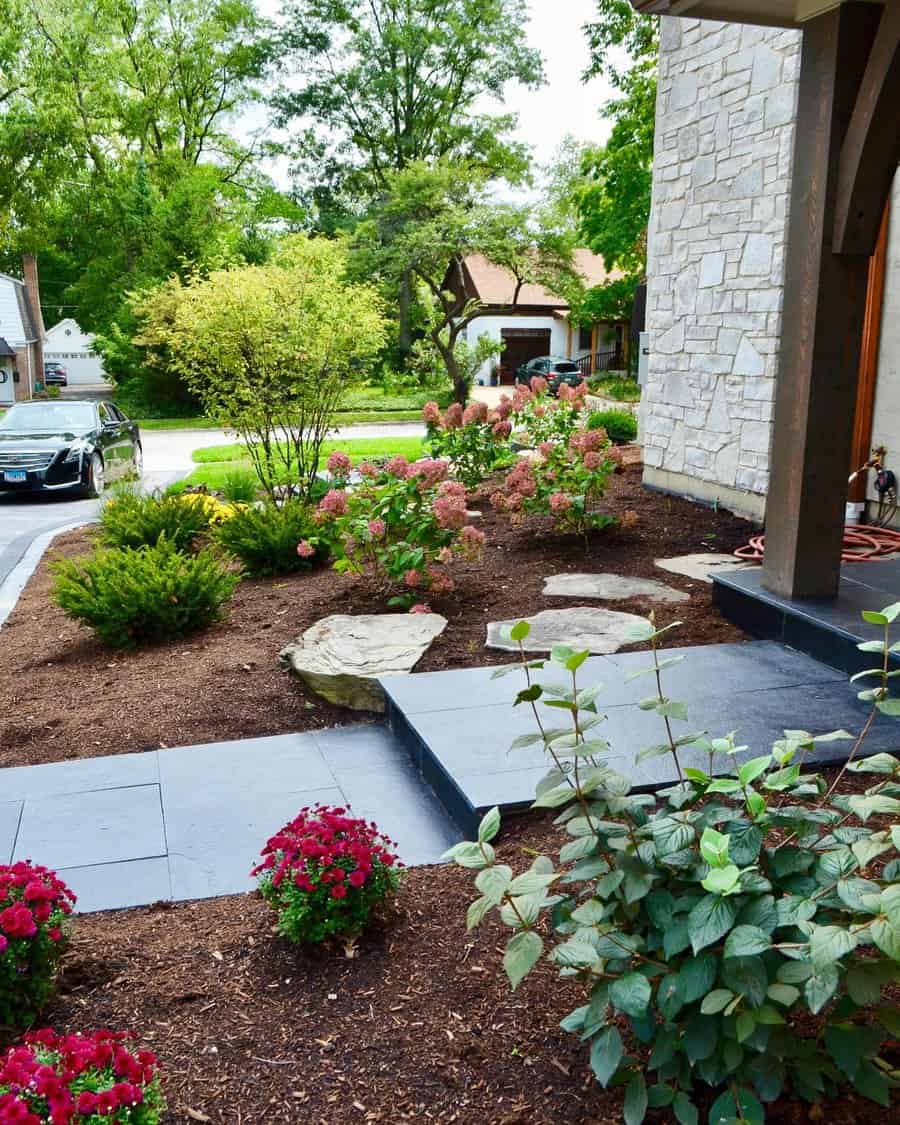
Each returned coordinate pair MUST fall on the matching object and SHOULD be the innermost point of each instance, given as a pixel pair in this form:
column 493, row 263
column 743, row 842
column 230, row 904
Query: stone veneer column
column 721, row 183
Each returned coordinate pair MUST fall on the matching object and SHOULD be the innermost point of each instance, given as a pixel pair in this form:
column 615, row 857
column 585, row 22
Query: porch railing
column 609, row 360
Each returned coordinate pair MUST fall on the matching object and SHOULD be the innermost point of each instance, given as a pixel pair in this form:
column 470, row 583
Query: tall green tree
column 431, row 218
column 383, row 84
column 614, row 201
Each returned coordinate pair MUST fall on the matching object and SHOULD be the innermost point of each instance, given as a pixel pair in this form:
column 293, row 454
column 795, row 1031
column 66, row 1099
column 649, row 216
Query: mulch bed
column 420, row 1026
column 63, row 695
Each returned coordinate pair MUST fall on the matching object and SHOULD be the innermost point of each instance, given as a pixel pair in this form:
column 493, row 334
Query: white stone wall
column 886, row 412
column 716, row 242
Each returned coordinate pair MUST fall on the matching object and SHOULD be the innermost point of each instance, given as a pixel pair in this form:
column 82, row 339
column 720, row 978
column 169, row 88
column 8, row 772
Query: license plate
column 15, row 476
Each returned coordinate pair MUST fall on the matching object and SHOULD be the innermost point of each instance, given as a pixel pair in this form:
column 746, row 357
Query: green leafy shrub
column 475, row 440
column 35, row 905
column 143, row 595
column 538, row 417
column 565, row 482
column 618, row 387
column 620, row 425
column 266, row 538
column 131, row 519
column 325, row 873
column 240, row 486
column 742, row 925
column 403, row 525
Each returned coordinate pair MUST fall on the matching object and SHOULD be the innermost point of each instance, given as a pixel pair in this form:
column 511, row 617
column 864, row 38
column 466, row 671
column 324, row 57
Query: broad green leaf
column 716, row 1000
column 630, row 994
column 751, row 770
column 519, row 631
column 714, row 847
column 828, row 944
column 525, row 740
column 574, row 953
column 522, row 953
column 490, row 825
column 469, row 854
column 746, row 1108
column 561, row 654
column 696, row 976
column 849, row 1044
column 701, row 1034
column 889, row 707
column 866, row 805
column 531, row 882
column 477, row 912
column 744, row 1026
column 494, row 882
column 576, row 660
column 606, row 1054
column 635, row 1108
column 877, row 763
column 723, row 880
column 673, row 709
column 684, row 1109
column 724, row 785
column 709, row 920
column 820, row 987
column 746, row 976
column 886, row 936
column 784, row 994
column 874, row 618
column 746, row 941
column 871, row 847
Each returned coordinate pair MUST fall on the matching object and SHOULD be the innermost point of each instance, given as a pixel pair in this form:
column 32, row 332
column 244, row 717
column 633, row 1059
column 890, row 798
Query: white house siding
column 11, row 328
column 721, row 182
column 492, row 326
column 886, row 413
column 67, row 344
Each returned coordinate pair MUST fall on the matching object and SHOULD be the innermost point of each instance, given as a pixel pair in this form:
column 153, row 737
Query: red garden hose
column 861, row 544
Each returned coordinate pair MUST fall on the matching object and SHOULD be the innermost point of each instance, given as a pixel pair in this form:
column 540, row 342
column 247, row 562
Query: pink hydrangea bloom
column 560, row 502
column 367, row 469
column 333, row 503
column 305, row 549
column 452, row 488
column 502, row 429
column 539, row 385
column 449, row 511
column 338, row 464
column 472, row 540
column 427, row 472
column 453, row 417
column 475, row 412
column 505, row 407
column 431, row 413
column 421, row 607
column 439, row 581
column 546, row 448
column 585, row 441
column 377, row 528
column 398, row 467
column 592, row 460
column 445, row 555
column 412, row 578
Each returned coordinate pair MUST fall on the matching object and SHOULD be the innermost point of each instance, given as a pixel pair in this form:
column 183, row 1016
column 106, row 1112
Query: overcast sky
column 565, row 105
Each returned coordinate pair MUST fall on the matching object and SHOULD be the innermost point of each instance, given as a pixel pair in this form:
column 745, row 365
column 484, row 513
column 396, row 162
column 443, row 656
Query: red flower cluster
column 325, row 846
column 37, row 1079
column 29, row 898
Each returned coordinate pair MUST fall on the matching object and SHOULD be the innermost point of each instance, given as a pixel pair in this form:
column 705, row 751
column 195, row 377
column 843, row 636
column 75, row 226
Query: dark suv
column 556, row 371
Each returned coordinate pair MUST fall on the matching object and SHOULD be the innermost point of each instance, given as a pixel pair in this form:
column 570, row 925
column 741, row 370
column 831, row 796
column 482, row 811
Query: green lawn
column 217, row 461
column 623, row 390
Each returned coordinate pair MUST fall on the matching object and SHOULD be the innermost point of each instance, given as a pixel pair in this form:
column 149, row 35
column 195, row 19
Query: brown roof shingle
column 495, row 285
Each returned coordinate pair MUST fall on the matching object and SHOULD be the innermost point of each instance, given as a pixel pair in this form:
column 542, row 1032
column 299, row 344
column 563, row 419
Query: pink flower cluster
column 326, row 847
column 475, row 412
column 305, row 549
column 49, row 1069
column 30, row 896
column 574, row 395
column 427, row 473
column 339, row 464
column 333, row 503
column 449, row 505
column 472, row 541
column 587, row 441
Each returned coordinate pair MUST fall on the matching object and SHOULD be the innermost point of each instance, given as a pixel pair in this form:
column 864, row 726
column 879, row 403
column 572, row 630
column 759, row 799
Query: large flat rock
column 701, row 566
column 583, row 627
column 341, row 657
column 610, row 587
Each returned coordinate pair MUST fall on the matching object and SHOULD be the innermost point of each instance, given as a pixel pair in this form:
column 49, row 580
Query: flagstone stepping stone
column 610, row 587
column 583, row 627
column 341, row 657
column 701, row 566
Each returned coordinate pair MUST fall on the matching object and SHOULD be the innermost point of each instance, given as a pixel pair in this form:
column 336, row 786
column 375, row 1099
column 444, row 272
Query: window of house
column 584, row 339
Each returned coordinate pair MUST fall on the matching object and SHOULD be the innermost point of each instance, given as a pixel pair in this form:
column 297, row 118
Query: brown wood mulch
column 418, row 1026
column 63, row 695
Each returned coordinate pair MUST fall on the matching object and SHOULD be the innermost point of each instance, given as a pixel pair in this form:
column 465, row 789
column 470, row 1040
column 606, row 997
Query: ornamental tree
column 269, row 350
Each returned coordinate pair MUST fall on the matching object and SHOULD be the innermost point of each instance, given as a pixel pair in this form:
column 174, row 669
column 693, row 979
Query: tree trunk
column 457, row 377
column 404, row 340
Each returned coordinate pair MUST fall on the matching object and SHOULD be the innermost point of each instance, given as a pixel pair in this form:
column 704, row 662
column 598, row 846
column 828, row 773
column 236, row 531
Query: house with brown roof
column 21, row 335
column 530, row 321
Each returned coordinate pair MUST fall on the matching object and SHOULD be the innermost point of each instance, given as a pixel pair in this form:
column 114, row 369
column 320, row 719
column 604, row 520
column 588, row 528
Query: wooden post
column 595, row 333
column 822, row 321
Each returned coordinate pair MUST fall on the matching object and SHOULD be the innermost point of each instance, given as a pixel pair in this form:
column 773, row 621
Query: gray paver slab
column 115, row 886
column 79, row 776
column 213, row 846
column 10, row 812
column 209, row 773
column 104, row 826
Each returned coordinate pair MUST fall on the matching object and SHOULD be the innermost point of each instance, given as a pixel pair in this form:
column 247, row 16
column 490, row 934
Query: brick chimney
column 30, row 275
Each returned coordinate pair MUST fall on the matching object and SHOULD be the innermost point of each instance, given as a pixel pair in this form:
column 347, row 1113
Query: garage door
column 82, row 368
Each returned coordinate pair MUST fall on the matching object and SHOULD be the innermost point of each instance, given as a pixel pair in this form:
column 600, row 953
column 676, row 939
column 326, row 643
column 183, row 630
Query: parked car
column 55, row 375
column 555, row 370
column 50, row 446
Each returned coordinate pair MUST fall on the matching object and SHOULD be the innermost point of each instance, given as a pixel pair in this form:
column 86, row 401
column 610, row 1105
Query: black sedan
column 555, row 370
column 50, row 446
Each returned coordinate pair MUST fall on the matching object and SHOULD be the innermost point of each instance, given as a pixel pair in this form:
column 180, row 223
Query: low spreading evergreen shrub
column 266, row 538
column 620, row 425
column 145, row 595
column 130, row 519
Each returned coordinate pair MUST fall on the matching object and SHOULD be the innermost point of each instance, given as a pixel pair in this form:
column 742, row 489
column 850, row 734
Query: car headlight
column 76, row 449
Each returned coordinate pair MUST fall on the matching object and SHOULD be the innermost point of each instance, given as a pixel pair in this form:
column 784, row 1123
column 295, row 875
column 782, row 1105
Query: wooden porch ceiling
column 770, row 13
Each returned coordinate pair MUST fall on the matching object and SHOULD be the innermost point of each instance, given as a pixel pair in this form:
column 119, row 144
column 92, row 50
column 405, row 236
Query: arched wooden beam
column 871, row 148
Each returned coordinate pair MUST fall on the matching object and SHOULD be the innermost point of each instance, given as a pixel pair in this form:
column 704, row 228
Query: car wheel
column 95, row 483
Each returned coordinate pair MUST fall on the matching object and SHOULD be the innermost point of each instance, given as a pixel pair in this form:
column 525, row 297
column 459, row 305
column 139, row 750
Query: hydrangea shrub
column 538, row 417
column 403, row 525
column 35, row 905
column 474, row 440
column 94, row 1079
column 565, row 481
column 736, row 931
column 325, row 873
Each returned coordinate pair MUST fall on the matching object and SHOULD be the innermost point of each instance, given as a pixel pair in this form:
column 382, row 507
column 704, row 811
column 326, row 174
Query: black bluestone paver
column 461, row 742
column 10, row 814
column 103, row 826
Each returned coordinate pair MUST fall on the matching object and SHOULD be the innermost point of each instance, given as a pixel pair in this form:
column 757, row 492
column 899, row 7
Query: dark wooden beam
column 868, row 362
column 871, row 149
column 822, row 319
